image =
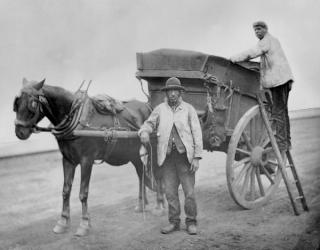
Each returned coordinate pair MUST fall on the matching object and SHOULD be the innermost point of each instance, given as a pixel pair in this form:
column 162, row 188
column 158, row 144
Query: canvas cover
column 166, row 63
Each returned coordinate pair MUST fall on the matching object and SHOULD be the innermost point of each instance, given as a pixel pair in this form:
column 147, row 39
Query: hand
column 144, row 138
column 210, row 78
column 194, row 165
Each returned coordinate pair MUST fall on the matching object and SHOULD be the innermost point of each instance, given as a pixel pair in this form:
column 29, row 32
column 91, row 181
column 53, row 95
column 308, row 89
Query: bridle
column 35, row 105
column 39, row 105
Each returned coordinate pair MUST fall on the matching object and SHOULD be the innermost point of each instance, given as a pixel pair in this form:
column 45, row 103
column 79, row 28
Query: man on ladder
column 275, row 75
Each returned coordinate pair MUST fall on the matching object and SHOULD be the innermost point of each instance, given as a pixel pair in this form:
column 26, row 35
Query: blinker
column 15, row 104
column 33, row 105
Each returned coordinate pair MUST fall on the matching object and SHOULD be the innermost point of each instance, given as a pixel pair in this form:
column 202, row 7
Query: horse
column 65, row 111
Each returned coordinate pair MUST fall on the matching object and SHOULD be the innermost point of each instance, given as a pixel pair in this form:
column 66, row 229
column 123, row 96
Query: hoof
column 83, row 229
column 61, row 227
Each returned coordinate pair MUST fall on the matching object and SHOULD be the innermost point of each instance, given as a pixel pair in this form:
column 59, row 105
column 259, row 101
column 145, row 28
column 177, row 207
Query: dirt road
column 30, row 204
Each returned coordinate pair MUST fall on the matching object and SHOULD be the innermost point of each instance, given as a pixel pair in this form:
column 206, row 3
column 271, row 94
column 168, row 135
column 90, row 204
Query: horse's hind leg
column 142, row 201
column 86, row 169
column 160, row 207
column 64, row 222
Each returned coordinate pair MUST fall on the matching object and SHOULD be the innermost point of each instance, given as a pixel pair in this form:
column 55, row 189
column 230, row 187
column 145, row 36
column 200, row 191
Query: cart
column 234, row 115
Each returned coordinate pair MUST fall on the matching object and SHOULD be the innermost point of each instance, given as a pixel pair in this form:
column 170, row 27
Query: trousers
column 280, row 116
column 176, row 171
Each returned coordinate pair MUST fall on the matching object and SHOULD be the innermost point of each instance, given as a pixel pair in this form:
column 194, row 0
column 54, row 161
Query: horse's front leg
column 64, row 222
column 142, row 197
column 86, row 169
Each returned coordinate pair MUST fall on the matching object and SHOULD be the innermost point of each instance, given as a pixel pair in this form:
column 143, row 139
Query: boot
column 192, row 229
column 170, row 228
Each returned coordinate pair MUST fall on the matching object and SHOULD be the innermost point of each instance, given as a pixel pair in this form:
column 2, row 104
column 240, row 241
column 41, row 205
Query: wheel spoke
column 252, row 185
column 243, row 151
column 273, row 163
column 267, row 174
column 253, row 130
column 262, row 131
column 241, row 162
column 245, row 183
column 241, row 174
column 268, row 150
column 247, row 140
column 259, row 182
column 264, row 142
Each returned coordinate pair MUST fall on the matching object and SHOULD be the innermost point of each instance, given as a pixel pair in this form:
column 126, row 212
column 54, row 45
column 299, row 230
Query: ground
column 31, row 203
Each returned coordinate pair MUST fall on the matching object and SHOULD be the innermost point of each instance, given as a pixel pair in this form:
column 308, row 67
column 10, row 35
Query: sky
column 67, row 42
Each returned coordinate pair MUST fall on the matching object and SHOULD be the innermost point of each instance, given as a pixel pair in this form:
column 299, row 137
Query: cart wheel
column 253, row 172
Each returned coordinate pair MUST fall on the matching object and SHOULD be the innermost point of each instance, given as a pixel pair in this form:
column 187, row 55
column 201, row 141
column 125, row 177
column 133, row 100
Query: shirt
column 274, row 66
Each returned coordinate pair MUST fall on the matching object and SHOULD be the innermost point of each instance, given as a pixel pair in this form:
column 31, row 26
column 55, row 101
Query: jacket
column 274, row 66
column 188, row 127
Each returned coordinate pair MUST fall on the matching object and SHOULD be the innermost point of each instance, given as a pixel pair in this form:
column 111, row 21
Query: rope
column 143, row 91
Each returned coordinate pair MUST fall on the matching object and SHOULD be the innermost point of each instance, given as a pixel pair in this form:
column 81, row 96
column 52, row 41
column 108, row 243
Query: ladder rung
column 299, row 197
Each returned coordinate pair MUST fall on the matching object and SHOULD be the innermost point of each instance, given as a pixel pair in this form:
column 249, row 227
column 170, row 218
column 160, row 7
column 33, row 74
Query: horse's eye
column 15, row 104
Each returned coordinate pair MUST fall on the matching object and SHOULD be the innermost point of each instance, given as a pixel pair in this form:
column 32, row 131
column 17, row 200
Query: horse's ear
column 39, row 85
column 24, row 81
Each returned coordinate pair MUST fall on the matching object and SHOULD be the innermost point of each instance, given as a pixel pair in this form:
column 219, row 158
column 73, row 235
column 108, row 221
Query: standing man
column 275, row 74
column 179, row 150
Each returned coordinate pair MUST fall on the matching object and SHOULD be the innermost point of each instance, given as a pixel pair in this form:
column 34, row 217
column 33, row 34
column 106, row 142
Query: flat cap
column 260, row 24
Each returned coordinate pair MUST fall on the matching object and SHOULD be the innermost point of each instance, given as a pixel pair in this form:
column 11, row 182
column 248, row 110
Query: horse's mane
column 58, row 93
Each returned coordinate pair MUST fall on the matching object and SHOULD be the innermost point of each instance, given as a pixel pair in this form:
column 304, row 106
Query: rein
column 69, row 122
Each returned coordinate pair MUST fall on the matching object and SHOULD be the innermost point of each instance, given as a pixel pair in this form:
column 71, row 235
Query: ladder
column 301, row 196
column 282, row 165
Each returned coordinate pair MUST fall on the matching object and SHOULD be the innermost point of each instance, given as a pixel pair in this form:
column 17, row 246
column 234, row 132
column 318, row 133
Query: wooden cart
column 234, row 115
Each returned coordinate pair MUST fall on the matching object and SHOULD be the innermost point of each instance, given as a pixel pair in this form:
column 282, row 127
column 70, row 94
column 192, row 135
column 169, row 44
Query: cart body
column 231, row 118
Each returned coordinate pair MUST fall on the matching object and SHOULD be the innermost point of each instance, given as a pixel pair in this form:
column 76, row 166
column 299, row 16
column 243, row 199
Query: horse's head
column 28, row 108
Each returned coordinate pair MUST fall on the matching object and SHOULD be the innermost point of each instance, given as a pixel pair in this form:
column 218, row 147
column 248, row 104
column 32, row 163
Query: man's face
column 260, row 32
column 173, row 96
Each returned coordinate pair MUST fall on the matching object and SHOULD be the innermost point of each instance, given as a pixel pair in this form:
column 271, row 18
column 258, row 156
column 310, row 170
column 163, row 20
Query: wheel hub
column 258, row 157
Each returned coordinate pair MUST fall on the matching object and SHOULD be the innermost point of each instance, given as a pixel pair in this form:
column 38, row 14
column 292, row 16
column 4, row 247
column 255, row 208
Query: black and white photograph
column 159, row 125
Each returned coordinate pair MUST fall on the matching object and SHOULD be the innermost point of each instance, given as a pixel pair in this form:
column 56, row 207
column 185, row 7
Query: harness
column 39, row 105
column 109, row 135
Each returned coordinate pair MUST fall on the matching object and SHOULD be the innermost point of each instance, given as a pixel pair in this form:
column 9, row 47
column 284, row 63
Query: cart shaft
column 107, row 133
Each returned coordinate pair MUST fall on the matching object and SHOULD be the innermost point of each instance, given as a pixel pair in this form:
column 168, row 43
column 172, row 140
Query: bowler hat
column 173, row 83
column 260, row 24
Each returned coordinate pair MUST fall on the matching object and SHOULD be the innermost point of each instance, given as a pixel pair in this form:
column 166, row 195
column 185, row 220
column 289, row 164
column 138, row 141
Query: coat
column 188, row 127
column 274, row 66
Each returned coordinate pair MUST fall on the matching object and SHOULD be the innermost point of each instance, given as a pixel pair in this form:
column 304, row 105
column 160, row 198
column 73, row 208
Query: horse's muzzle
column 23, row 133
